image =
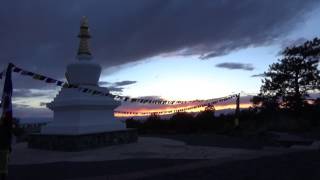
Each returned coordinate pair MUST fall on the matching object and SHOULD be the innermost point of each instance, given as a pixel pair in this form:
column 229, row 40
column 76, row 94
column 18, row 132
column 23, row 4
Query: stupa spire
column 84, row 51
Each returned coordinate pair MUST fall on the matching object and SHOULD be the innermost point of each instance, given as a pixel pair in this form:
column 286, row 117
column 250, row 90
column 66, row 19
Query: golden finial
column 84, row 51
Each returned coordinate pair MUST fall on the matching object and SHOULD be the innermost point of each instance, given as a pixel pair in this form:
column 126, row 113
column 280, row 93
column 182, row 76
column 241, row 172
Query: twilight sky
column 172, row 49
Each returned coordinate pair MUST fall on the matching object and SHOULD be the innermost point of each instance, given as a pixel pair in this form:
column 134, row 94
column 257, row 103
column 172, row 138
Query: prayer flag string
column 176, row 110
column 62, row 84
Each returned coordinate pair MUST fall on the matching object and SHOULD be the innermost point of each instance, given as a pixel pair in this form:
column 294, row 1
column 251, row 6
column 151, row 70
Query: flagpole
column 7, row 95
column 6, row 123
column 237, row 111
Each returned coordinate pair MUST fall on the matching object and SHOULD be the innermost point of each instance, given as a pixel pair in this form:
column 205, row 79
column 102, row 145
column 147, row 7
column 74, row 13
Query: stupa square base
column 81, row 142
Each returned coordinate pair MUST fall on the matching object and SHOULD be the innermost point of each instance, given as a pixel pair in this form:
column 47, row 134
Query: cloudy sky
column 172, row 49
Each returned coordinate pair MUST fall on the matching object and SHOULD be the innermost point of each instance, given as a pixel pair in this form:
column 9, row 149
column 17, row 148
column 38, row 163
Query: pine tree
column 290, row 80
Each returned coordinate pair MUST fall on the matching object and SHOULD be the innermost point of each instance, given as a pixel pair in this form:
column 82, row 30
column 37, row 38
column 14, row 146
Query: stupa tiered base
column 81, row 122
column 80, row 142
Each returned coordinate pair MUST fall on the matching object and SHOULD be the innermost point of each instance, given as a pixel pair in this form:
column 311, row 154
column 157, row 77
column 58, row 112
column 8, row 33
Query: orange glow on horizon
column 140, row 111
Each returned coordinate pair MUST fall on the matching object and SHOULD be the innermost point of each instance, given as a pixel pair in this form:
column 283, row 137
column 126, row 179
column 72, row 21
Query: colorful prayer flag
column 39, row 77
column 27, row 73
column 60, row 83
column 49, row 80
column 85, row 90
column 16, row 69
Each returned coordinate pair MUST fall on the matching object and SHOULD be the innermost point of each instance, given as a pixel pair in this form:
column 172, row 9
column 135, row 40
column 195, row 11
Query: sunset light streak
column 143, row 112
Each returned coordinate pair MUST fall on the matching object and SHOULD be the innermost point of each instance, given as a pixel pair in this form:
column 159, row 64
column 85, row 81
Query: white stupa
column 76, row 112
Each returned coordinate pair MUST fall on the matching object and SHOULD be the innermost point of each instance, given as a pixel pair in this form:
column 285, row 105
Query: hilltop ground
column 201, row 156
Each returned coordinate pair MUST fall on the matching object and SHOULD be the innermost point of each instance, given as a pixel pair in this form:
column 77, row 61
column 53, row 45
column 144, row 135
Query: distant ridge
column 34, row 120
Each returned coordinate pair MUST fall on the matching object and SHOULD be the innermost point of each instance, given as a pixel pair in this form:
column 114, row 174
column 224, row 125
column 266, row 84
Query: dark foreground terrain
column 74, row 170
column 294, row 166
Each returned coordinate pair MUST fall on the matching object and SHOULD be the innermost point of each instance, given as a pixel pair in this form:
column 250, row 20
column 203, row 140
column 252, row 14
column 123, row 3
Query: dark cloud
column 104, row 83
column 20, row 93
column 116, row 86
column 41, row 35
column 258, row 75
column 124, row 83
column 115, row 89
column 23, row 110
column 120, row 83
column 230, row 65
column 21, row 106
column 43, row 104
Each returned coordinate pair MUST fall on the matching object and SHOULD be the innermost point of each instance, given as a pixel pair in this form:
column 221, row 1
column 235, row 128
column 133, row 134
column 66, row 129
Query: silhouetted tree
column 265, row 102
column 317, row 102
column 132, row 123
column 153, row 117
column 289, row 81
column 182, row 122
column 206, row 115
